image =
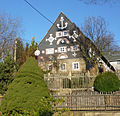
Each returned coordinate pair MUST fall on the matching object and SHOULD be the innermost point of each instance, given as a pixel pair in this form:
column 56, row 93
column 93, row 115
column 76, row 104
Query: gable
column 58, row 36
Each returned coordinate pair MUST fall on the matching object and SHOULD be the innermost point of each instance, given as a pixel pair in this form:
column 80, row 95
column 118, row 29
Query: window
column 50, row 67
column 66, row 33
column 62, row 33
column 75, row 48
column 50, row 51
column 59, row 34
column 63, row 66
column 75, row 65
column 62, row 49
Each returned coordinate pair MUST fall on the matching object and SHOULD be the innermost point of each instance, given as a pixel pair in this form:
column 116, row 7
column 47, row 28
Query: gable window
column 66, row 33
column 75, row 48
column 50, row 51
column 63, row 66
column 75, row 65
column 62, row 33
column 59, row 34
column 62, row 49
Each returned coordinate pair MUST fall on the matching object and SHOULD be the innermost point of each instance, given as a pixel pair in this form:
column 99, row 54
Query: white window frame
column 62, row 49
column 62, row 33
column 50, row 51
column 49, row 66
column 57, row 34
column 64, row 67
column 73, row 66
column 66, row 34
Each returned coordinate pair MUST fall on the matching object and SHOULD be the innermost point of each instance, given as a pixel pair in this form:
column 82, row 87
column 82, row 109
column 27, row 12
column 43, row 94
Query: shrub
column 27, row 91
column 107, row 82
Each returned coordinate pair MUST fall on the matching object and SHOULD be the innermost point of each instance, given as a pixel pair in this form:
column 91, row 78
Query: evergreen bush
column 107, row 82
column 27, row 91
column 7, row 73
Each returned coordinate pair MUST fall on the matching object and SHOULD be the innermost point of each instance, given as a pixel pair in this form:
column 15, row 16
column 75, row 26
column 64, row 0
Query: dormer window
column 59, row 34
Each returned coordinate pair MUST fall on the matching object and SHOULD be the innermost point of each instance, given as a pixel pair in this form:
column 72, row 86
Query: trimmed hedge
column 107, row 82
column 27, row 90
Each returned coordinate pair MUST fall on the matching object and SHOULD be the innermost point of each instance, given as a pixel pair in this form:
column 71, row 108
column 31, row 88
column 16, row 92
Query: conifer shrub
column 107, row 82
column 27, row 91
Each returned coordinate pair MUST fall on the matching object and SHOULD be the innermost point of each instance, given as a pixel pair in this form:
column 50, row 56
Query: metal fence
column 90, row 101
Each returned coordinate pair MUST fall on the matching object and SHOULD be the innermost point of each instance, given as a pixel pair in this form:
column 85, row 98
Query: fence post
column 61, row 84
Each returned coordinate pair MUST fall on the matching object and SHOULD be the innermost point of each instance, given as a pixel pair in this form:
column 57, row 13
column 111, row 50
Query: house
column 114, row 59
column 60, row 52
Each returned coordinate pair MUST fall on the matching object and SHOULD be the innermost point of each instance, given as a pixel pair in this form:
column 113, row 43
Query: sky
column 34, row 25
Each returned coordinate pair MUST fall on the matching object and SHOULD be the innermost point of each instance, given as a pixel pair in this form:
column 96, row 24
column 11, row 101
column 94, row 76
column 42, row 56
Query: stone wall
column 69, row 66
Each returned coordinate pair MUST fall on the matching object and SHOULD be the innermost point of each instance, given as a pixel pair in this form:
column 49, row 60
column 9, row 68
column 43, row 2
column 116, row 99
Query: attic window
column 62, row 49
column 50, row 51
column 66, row 33
column 50, row 67
column 59, row 34
column 74, row 48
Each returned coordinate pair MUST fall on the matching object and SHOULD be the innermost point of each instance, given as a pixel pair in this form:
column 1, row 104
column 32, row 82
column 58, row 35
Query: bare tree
column 96, row 30
column 8, row 31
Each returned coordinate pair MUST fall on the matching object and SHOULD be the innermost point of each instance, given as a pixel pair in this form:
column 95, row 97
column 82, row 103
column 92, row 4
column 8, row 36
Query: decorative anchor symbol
column 51, row 39
column 62, row 26
column 74, row 36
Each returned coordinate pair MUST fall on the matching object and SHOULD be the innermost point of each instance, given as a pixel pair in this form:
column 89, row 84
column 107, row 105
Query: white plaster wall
column 116, row 65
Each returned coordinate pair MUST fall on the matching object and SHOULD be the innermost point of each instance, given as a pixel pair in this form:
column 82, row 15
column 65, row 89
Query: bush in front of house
column 28, row 92
column 107, row 82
